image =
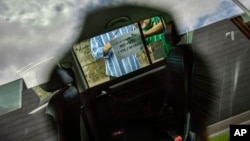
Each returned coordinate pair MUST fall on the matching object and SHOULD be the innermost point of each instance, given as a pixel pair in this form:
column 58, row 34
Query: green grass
column 223, row 137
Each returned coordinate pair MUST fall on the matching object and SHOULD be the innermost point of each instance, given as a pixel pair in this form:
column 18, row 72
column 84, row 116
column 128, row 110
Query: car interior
column 152, row 103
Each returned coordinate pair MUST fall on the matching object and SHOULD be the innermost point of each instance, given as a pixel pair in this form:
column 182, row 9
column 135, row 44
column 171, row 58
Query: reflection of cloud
column 246, row 3
column 3, row 8
column 192, row 14
column 38, row 73
column 8, row 74
column 34, row 30
column 224, row 10
column 203, row 16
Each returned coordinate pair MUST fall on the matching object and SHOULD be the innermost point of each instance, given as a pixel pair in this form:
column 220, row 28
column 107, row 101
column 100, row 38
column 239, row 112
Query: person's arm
column 158, row 28
column 107, row 48
column 98, row 49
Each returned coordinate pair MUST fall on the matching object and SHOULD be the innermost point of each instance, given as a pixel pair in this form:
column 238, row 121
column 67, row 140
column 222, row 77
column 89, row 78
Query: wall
column 221, row 72
column 94, row 70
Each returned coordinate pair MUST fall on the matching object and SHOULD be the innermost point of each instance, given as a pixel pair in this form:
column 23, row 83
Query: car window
column 10, row 97
column 121, row 51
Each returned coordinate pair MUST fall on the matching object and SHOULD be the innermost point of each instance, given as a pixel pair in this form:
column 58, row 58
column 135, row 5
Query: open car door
column 149, row 103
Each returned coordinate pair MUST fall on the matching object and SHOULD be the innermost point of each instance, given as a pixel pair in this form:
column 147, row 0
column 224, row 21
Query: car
column 179, row 95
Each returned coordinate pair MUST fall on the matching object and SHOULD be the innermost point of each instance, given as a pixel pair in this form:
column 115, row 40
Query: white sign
column 127, row 44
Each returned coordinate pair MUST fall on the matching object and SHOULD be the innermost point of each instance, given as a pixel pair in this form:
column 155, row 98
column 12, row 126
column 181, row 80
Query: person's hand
column 106, row 48
column 145, row 34
column 150, row 49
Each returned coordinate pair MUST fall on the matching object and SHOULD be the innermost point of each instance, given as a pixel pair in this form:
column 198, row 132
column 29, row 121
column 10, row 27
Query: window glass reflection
column 118, row 48
column 155, row 38
column 121, row 51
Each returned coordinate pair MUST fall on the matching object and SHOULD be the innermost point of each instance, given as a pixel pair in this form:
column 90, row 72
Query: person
column 153, row 32
column 101, row 48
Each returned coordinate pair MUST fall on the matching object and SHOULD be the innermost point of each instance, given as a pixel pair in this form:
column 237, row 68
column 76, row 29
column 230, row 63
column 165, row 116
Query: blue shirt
column 113, row 66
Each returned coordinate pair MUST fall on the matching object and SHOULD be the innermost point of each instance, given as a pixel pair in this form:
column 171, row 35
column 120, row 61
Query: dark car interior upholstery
column 64, row 105
column 145, row 108
column 144, row 104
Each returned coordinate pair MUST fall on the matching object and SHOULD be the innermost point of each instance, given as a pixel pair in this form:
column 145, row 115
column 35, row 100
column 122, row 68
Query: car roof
column 104, row 19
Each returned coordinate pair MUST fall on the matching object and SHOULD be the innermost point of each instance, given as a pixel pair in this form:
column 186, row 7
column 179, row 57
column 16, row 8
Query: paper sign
column 127, row 44
column 158, row 50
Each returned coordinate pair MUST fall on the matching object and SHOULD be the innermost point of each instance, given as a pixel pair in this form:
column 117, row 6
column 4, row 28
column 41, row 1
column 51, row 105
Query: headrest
column 59, row 79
